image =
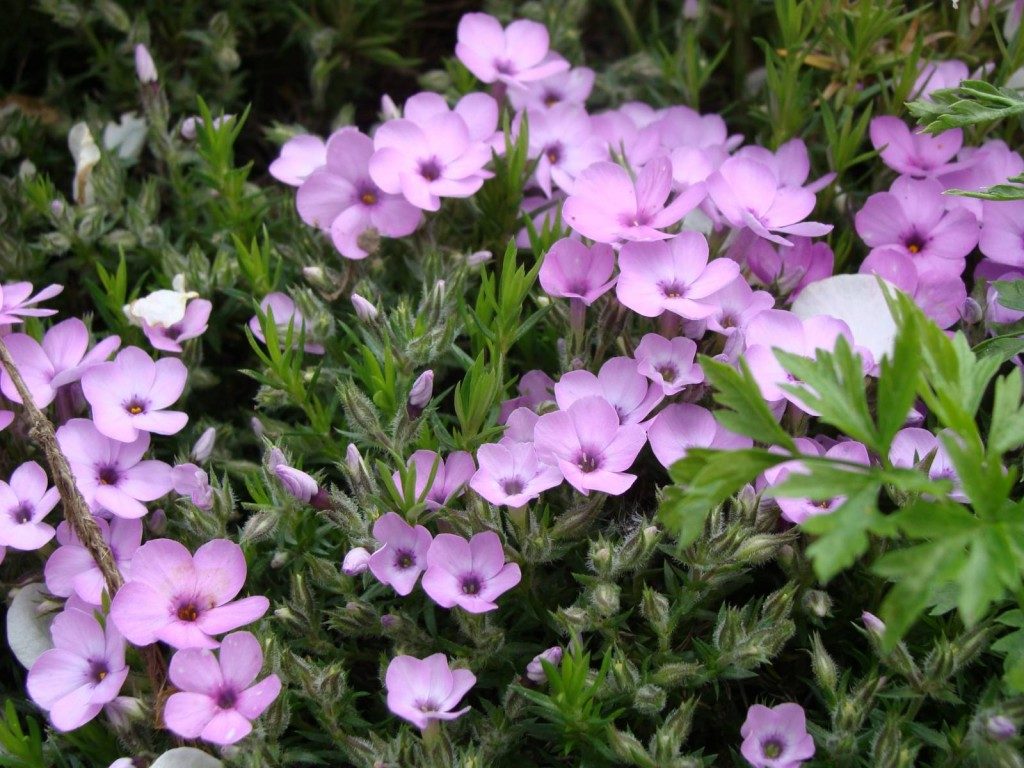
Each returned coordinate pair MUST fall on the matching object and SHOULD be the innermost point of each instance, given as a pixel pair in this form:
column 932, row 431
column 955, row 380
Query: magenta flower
column 571, row 86
column 191, row 326
column 193, row 482
column 535, row 670
column 216, row 698
column 341, row 198
column 16, row 302
column 790, row 164
column 24, row 502
column 299, row 484
column 299, row 157
column 606, row 205
column 181, row 599
column 571, row 270
column 535, row 389
column 450, row 476
column 735, row 306
column 356, row 561
column 515, row 55
column 426, row 161
column 939, row 292
column 673, row 276
column 682, row 426
column 61, row 359
column 776, row 737
column 619, row 383
column 130, row 394
column 797, row 510
column 669, row 363
column 420, row 393
column 1002, row 232
column 402, row 556
column 511, row 475
column 915, row 154
column 913, row 217
column 775, row 328
column 424, row 690
column 564, row 144
column 913, row 445
column 590, row 446
column 145, row 69
column 789, row 270
column 111, row 475
column 935, row 75
column 478, row 111
column 71, row 569
column 284, row 314
column 83, row 671
column 470, row 574
column 749, row 195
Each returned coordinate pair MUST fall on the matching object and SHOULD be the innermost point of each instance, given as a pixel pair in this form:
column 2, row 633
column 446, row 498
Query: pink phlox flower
column 298, row 158
column 285, row 314
column 192, row 481
column 1002, row 232
column 574, row 271
column 511, row 474
column 24, row 502
column 987, row 272
column 71, row 570
column 572, row 86
column 130, row 395
column 191, row 326
column 788, row 270
column 300, row 485
column 356, row 561
column 470, row 574
column 535, row 670
column 915, row 153
column 341, row 198
column 62, row 358
column 619, row 383
column 735, row 306
column 83, row 671
column 939, row 292
column 776, row 328
column 184, row 600
column 797, row 510
column 535, row 389
column 668, row 363
column 913, row 445
column 425, row 690
column 776, row 737
column 589, row 445
column 450, row 476
column 674, row 276
column 216, row 698
column 682, row 426
column 608, row 206
column 515, row 55
column 111, row 475
column 479, row 111
column 748, row 194
column 564, row 144
column 935, row 75
column 17, row 302
column 977, row 168
column 913, row 217
column 790, row 164
column 519, row 427
column 402, row 556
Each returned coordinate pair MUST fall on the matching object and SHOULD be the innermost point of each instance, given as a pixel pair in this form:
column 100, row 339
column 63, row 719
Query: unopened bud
column 478, row 257
column 971, row 312
column 649, row 699
column 257, row 426
column 872, row 623
column 204, row 445
column 389, row 621
column 420, row 394
column 823, row 666
column 817, row 603
column 656, row 609
column 628, row 748
column 145, row 69
column 356, row 561
column 157, row 521
column 605, row 599
column 601, row 557
column 1000, row 728
column 365, row 311
column 535, row 670
column 388, row 109
column 278, row 560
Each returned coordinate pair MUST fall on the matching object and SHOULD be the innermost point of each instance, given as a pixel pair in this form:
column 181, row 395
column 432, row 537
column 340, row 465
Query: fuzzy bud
column 656, row 609
column 601, row 557
column 649, row 699
column 478, row 257
column 825, row 671
column 628, row 748
column 389, row 621
column 204, row 445
column 365, row 311
column 872, row 623
column 971, row 312
column 145, row 69
column 420, row 394
column 356, row 561
column 279, row 560
column 157, row 521
column 535, row 670
column 1000, row 728
column 817, row 603
column 605, row 599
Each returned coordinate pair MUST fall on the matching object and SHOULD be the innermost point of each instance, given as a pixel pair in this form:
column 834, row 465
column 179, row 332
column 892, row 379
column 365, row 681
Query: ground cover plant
column 530, row 384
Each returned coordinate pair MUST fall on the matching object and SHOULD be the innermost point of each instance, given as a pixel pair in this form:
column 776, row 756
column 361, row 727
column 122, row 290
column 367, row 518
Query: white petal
column 858, row 301
column 161, row 308
column 28, row 632
column 186, row 757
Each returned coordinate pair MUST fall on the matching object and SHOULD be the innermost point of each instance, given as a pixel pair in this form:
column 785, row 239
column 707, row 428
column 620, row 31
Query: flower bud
column 824, row 667
column 478, row 257
column 971, row 312
column 872, row 623
column 535, row 670
column 298, row 484
column 388, row 109
column 1000, row 728
column 365, row 311
column 257, row 426
column 356, row 561
column 420, row 394
column 278, row 560
column 601, row 557
column 817, row 603
column 389, row 621
column 157, row 521
column 204, row 445
column 353, row 460
column 649, row 699
column 145, row 69
column 656, row 609
column 605, row 599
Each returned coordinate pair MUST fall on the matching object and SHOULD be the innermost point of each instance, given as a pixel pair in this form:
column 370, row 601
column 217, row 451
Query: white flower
column 86, row 154
column 858, row 301
column 163, row 308
column 126, row 137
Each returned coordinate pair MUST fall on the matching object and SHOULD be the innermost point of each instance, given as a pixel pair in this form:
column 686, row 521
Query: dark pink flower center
column 668, row 372
column 23, row 512
column 551, row 98
column 639, row 219
column 367, row 193
column 588, row 462
column 135, row 406
column 915, row 243
column 430, row 169
column 426, row 705
column 108, row 476
column 188, row 611
column 404, row 559
column 470, row 585
column 98, row 670
column 672, row 290
column 504, row 67
column 772, row 747
column 553, row 152
column 727, row 320
column 227, row 698
column 512, row 486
